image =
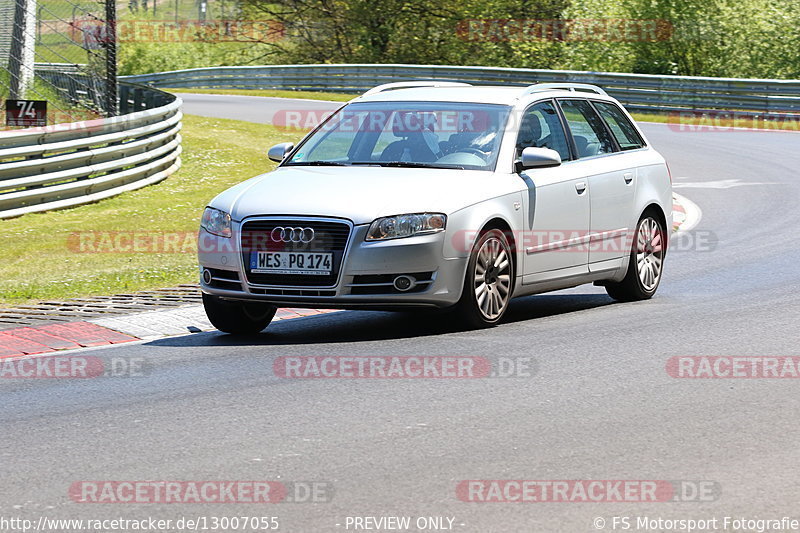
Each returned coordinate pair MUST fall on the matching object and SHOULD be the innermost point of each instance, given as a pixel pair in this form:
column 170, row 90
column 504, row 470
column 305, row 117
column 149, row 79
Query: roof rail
column 412, row 84
column 585, row 87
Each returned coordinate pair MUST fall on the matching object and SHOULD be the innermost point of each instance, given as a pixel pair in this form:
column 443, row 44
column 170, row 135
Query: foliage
column 401, row 31
column 144, row 58
column 732, row 38
column 740, row 38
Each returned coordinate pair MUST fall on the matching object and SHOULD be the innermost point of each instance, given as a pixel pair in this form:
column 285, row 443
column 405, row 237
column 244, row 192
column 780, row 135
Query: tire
column 238, row 318
column 646, row 263
column 487, row 291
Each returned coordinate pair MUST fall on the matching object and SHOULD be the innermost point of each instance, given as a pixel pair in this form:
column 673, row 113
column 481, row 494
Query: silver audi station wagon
column 442, row 195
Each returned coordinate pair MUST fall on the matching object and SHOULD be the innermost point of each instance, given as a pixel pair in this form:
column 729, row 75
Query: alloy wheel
column 492, row 279
column 649, row 253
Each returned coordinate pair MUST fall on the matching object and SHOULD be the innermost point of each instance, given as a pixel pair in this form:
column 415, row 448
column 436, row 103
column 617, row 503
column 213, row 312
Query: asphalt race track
column 599, row 406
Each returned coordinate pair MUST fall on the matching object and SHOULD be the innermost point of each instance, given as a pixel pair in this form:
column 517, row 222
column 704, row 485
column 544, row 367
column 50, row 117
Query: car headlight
column 216, row 222
column 406, row 225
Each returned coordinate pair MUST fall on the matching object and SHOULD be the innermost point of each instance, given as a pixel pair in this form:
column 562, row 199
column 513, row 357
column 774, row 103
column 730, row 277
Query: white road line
column 717, row 184
column 693, row 213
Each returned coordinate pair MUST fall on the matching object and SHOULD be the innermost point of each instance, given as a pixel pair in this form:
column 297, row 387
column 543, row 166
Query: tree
column 402, row 31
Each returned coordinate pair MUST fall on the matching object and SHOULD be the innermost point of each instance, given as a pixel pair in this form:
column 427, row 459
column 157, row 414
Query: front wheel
column 238, row 318
column 489, row 281
column 645, row 265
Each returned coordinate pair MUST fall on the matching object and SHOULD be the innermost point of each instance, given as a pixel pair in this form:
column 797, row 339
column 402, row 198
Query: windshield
column 413, row 134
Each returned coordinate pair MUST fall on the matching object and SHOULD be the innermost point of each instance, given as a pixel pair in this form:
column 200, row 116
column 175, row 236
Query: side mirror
column 537, row 158
column 280, row 151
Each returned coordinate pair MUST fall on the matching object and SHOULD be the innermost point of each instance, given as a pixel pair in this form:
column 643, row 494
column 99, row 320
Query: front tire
column 646, row 262
column 489, row 281
column 238, row 318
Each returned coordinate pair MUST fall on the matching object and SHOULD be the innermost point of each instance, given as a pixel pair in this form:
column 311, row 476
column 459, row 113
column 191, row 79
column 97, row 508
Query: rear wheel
column 645, row 265
column 238, row 318
column 489, row 281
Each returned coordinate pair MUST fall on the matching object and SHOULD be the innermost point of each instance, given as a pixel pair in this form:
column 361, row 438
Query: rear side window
column 590, row 134
column 622, row 129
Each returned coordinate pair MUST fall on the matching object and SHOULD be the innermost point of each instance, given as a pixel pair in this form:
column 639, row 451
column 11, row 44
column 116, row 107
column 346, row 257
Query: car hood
column 360, row 194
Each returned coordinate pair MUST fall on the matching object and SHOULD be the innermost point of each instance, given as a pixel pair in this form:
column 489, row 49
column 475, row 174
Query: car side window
column 590, row 134
column 622, row 129
column 541, row 128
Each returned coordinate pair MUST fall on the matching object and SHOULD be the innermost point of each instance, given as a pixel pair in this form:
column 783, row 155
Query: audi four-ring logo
column 281, row 234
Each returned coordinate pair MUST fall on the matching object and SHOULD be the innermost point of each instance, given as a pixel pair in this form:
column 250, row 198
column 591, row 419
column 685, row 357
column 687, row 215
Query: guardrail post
column 110, row 106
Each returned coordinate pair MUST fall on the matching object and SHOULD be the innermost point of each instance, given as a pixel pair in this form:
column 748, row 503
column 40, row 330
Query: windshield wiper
column 318, row 164
column 404, row 164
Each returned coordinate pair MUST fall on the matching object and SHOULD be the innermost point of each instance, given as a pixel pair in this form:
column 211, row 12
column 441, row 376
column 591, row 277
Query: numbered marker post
column 26, row 113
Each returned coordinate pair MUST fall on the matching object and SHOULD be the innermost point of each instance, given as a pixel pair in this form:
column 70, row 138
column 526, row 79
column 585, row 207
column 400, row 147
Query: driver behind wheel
column 418, row 140
column 476, row 134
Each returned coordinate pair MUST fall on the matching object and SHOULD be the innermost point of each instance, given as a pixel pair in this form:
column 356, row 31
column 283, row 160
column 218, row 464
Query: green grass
column 59, row 48
column 38, row 263
column 717, row 119
column 308, row 95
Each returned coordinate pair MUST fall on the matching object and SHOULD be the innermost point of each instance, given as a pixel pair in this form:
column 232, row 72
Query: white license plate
column 307, row 263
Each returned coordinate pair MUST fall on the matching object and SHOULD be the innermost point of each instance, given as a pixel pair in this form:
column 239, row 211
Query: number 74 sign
column 28, row 113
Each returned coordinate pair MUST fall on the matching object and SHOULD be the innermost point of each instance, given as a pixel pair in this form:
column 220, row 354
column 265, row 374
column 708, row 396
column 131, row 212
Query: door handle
column 628, row 177
column 580, row 187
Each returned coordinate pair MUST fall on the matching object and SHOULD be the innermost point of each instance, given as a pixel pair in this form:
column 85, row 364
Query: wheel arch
column 501, row 224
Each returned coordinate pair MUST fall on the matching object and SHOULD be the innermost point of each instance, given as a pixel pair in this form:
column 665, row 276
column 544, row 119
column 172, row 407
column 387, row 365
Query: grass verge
column 308, row 95
column 691, row 121
column 41, row 259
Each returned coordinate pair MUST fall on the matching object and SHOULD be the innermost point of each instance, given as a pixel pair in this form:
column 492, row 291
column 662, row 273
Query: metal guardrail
column 65, row 165
column 636, row 91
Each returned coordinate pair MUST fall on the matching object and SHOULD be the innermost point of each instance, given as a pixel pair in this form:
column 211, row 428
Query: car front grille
column 329, row 236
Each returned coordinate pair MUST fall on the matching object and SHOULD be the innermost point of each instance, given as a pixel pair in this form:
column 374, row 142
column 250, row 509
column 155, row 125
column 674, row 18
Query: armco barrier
column 71, row 164
column 637, row 91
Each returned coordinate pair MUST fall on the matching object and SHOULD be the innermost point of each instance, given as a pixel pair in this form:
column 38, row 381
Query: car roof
column 481, row 94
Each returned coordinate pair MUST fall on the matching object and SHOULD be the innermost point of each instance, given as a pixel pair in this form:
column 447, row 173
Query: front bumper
column 365, row 275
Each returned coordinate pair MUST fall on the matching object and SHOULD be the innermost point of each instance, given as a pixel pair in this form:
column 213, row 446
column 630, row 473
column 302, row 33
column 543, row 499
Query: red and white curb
column 50, row 338
column 151, row 325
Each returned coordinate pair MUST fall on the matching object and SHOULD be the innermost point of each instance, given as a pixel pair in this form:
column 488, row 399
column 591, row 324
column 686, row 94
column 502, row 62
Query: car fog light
column 404, row 283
